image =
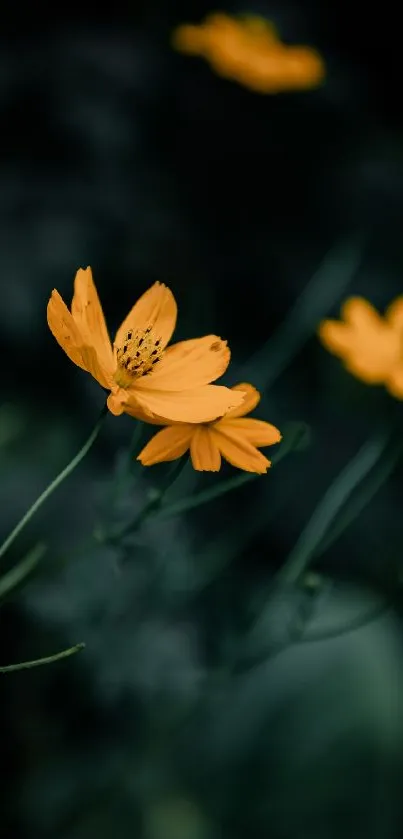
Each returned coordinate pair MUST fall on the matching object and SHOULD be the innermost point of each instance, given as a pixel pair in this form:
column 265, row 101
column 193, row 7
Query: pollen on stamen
column 139, row 352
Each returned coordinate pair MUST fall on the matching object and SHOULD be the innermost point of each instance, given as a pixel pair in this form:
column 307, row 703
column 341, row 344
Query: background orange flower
column 371, row 346
column 248, row 50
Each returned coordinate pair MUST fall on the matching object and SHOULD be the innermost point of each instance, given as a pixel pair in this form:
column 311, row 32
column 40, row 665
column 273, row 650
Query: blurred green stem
column 325, row 525
column 15, row 575
column 156, row 497
column 37, row 662
column 328, row 282
column 326, row 511
column 294, row 439
column 364, row 496
column 55, row 484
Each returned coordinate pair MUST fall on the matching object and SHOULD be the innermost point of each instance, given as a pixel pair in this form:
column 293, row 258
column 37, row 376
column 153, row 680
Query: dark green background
column 176, row 722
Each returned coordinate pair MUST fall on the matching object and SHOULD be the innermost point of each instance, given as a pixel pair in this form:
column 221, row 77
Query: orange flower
column 371, row 346
column 233, row 437
column 144, row 378
column 248, row 50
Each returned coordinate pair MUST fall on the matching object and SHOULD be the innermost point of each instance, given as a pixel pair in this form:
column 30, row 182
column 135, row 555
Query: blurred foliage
column 210, row 701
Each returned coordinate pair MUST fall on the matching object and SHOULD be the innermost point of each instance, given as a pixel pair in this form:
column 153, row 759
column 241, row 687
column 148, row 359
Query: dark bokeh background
column 118, row 153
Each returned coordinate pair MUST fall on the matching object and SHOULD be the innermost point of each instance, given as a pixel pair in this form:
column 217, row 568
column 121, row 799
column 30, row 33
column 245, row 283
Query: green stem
column 333, row 275
column 357, row 504
column 295, row 438
column 54, row 485
column 359, row 622
column 15, row 576
column 292, row 441
column 154, row 502
column 185, row 504
column 37, row 662
column 333, row 500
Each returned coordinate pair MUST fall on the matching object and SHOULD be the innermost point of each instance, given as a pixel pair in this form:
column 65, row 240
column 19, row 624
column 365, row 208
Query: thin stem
column 37, row 662
column 124, row 468
column 185, row 504
column 357, row 623
column 356, row 505
column 292, row 441
column 54, row 485
column 154, row 502
column 328, row 282
column 328, row 508
column 309, row 545
column 14, row 577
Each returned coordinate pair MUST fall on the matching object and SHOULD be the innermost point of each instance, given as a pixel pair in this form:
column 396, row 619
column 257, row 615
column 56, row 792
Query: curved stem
column 356, row 505
column 335, row 272
column 293, row 440
column 37, row 662
column 358, row 623
column 54, row 485
column 325, row 513
column 154, row 503
column 15, row 576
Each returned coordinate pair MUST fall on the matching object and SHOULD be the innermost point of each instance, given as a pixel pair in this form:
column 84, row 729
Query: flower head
column 145, row 378
column 248, row 50
column 234, row 437
column 371, row 346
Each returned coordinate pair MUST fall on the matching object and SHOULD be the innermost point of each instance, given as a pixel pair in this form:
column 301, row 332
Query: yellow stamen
column 136, row 357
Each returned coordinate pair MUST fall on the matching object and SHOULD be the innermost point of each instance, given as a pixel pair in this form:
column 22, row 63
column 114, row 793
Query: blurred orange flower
column 233, row 437
column 145, row 379
column 371, row 346
column 248, row 50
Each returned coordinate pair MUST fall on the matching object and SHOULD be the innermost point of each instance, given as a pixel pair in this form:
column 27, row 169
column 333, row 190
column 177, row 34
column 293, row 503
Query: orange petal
column 257, row 432
column 68, row 335
column 251, row 399
column 89, row 317
column 261, row 29
column 221, row 31
column 117, row 400
column 361, row 314
column 336, row 337
column 188, row 364
column 219, row 20
column 375, row 355
column 394, row 313
column 64, row 329
column 272, row 67
column 364, row 370
column 188, row 39
column 239, row 452
column 156, row 308
column 201, row 404
column 92, row 364
column 134, row 410
column 299, row 68
column 394, row 383
column 204, row 451
column 167, row 445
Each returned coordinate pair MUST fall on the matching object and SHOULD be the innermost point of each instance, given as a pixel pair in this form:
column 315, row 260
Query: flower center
column 136, row 357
